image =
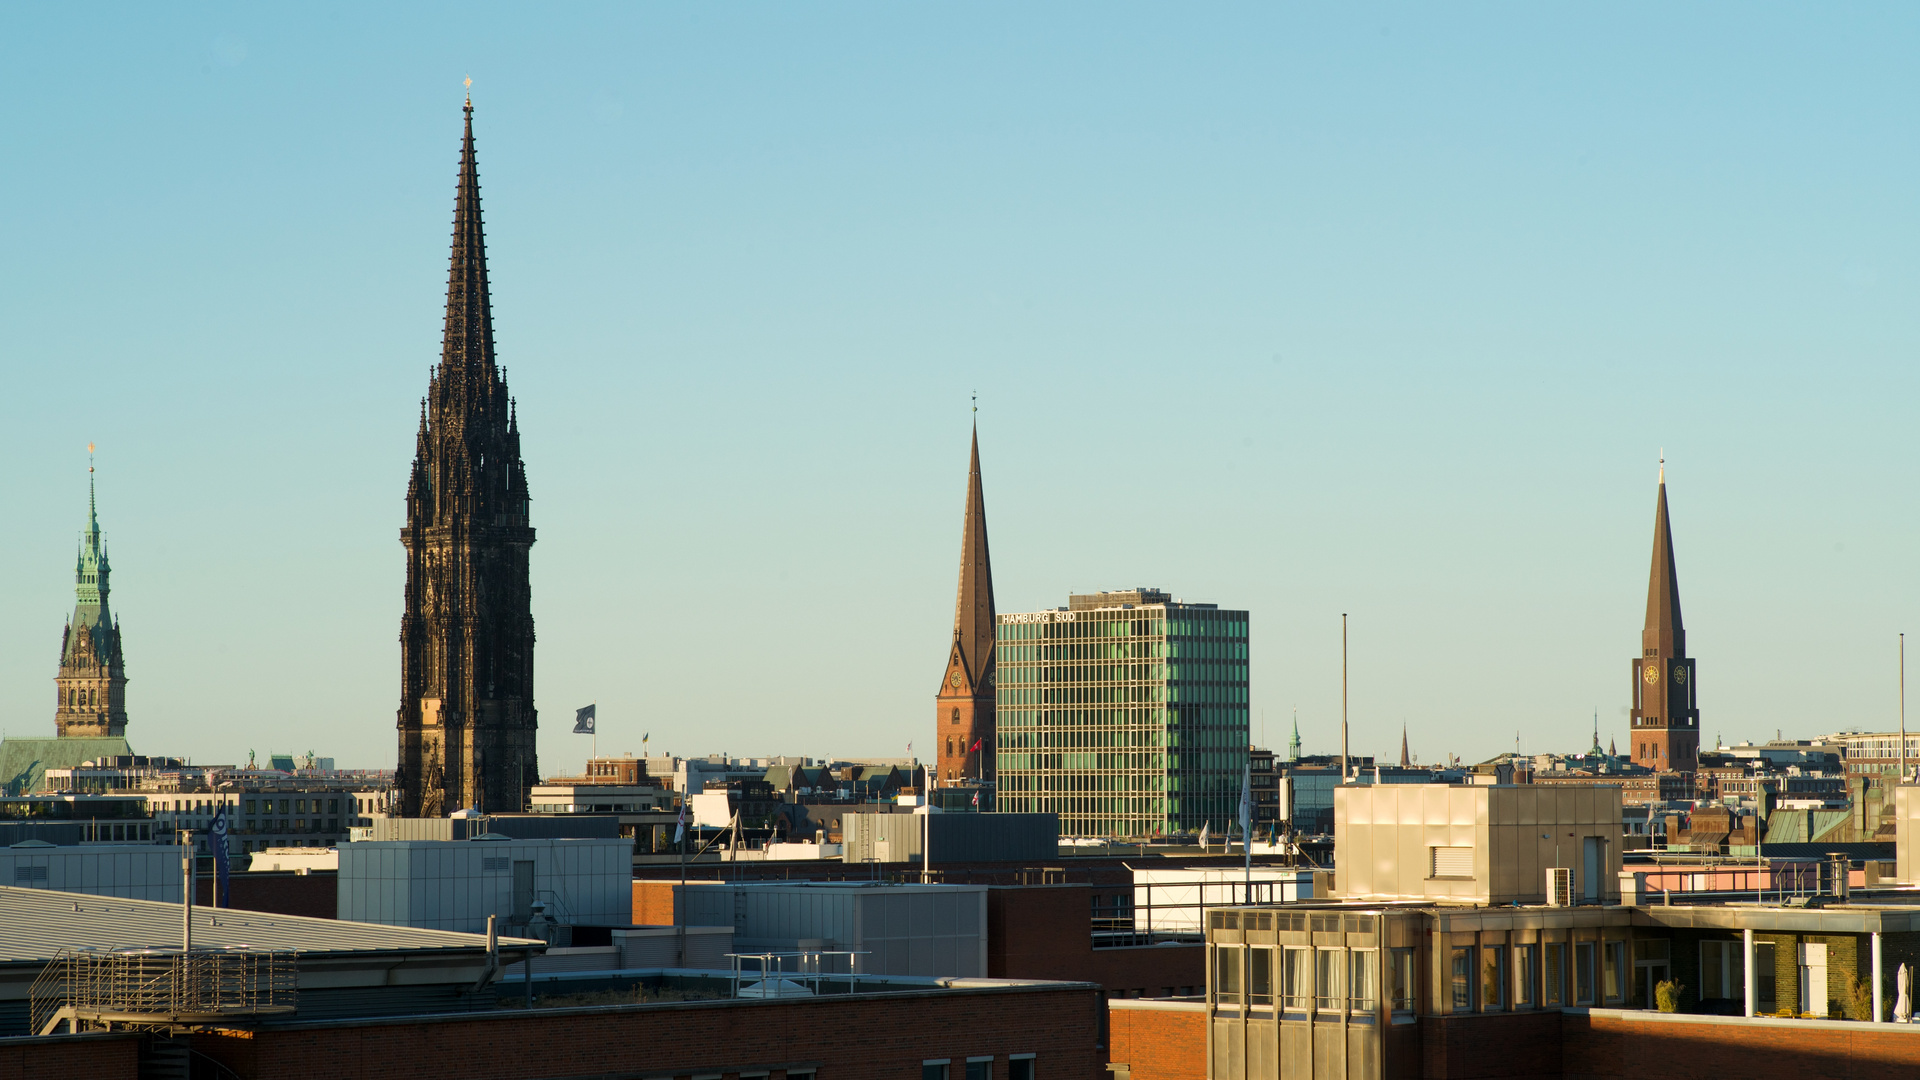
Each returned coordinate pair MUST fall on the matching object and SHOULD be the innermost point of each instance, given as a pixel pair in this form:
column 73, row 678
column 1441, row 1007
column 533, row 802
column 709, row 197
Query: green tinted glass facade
column 1126, row 719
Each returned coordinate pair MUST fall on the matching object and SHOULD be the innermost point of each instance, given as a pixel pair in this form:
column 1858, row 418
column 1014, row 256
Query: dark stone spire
column 466, row 344
column 965, row 731
column 466, row 715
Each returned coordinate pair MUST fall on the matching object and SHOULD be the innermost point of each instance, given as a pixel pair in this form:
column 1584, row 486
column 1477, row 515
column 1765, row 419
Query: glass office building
column 1123, row 712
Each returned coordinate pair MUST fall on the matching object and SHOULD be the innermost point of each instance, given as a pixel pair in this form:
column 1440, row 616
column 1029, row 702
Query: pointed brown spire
column 1664, row 632
column 466, row 347
column 973, row 625
column 1406, row 762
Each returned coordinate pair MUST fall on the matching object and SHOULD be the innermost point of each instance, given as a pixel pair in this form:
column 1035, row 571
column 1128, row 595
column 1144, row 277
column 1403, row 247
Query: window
column 1554, row 973
column 1462, row 978
column 1526, row 976
column 1363, row 980
column 1583, row 972
column 1327, row 965
column 1723, row 974
column 1400, row 980
column 1493, row 977
column 1615, row 980
column 1298, row 979
column 932, row 1070
column 1765, row 983
column 1226, row 974
column 979, row 1069
column 1020, row 1067
column 1260, row 977
column 1452, row 862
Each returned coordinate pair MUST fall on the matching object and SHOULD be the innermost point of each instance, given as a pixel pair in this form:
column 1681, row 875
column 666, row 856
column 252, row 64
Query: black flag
column 583, row 721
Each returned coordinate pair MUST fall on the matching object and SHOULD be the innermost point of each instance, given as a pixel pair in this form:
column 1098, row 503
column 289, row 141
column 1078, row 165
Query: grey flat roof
column 1837, row 919
column 35, row 924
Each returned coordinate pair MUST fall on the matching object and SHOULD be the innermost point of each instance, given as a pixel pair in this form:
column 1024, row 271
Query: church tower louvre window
column 466, row 718
column 90, row 656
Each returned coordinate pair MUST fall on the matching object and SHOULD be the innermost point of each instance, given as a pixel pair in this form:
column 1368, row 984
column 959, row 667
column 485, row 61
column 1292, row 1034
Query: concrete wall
column 1384, row 836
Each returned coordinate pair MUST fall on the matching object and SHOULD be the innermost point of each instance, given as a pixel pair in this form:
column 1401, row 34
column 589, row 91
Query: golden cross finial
column 1663, row 464
column 976, row 401
column 89, row 457
column 469, row 91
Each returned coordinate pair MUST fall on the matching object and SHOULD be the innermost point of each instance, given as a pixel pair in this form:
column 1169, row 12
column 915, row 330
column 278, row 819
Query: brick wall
column 96, row 1057
column 653, row 903
column 1608, row 1046
column 314, row 895
column 1519, row 1046
column 1046, row 932
column 1159, row 1040
column 845, row 1038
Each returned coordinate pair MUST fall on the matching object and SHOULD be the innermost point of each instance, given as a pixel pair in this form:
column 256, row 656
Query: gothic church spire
column 466, row 717
column 973, row 624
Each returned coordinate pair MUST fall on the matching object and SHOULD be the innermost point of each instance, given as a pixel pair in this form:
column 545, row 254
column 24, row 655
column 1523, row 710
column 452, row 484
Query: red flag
column 975, row 748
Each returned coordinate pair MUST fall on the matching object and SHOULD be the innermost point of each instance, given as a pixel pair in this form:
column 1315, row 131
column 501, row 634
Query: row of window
column 1307, row 979
column 1497, row 978
column 1019, row 1067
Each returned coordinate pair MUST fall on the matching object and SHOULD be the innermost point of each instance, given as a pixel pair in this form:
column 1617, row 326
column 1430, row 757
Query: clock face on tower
column 1680, row 673
column 953, row 680
column 1652, row 674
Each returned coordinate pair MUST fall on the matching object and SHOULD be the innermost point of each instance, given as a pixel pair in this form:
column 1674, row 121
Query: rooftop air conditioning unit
column 1559, row 886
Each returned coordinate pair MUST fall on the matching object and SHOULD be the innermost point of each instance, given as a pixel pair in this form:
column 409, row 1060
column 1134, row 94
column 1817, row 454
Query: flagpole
column 596, row 726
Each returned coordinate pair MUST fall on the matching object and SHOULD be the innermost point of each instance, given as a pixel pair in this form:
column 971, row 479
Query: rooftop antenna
column 1343, row 697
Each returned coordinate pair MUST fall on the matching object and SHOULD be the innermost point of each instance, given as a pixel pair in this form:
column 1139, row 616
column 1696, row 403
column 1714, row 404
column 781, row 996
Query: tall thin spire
column 466, row 720
column 973, row 613
column 466, row 346
column 1406, row 762
column 1664, row 630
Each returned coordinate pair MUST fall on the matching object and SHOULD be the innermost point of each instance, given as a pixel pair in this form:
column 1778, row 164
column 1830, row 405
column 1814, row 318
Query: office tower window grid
column 1126, row 721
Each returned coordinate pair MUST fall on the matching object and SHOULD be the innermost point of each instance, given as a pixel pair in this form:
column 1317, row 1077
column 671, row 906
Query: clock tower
column 1666, row 712
column 964, row 735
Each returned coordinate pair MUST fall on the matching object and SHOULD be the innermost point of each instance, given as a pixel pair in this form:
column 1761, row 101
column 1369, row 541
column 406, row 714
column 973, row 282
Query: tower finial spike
column 1663, row 464
column 469, row 92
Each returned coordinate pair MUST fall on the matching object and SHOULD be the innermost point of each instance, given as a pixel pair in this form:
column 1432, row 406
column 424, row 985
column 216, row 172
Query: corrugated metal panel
column 36, row 924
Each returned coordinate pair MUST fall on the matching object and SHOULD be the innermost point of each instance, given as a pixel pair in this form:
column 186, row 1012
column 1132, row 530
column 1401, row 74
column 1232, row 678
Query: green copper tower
column 93, row 677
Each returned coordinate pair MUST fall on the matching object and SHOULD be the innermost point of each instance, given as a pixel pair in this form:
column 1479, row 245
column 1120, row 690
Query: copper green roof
column 24, row 762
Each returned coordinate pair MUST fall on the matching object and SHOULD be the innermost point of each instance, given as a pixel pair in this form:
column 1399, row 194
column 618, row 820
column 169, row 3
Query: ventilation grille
column 494, row 865
column 29, row 873
column 1452, row 862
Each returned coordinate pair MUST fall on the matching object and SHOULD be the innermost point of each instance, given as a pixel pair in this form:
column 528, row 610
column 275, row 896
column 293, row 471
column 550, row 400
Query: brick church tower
column 466, row 715
column 1666, row 713
column 93, row 676
column 964, row 719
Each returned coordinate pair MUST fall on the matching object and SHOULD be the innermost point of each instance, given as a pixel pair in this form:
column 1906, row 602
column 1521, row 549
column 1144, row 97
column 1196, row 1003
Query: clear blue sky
column 1306, row 309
